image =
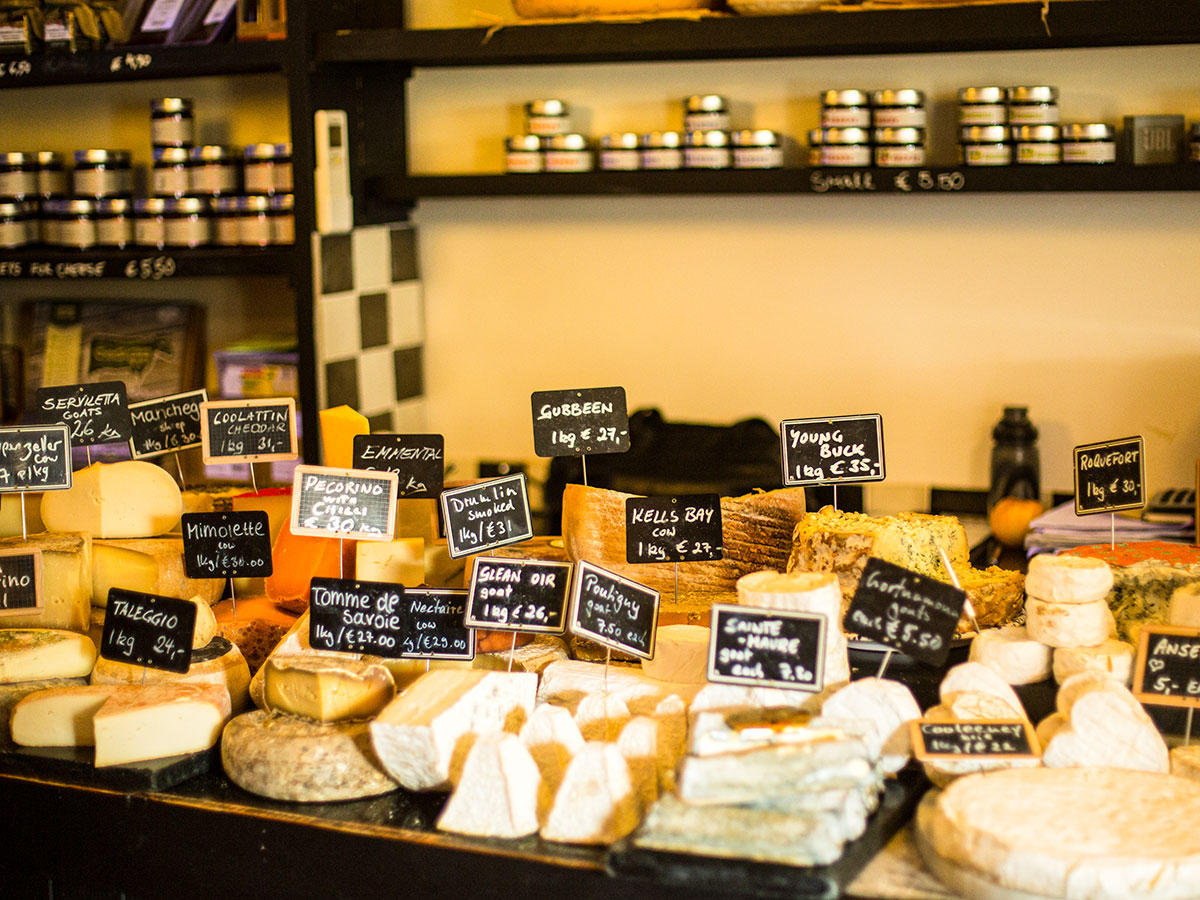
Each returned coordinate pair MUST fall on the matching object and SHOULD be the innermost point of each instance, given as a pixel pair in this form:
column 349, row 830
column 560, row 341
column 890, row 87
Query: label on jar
column 814, row 155
column 706, row 157
column 706, row 121
column 12, row 233
column 846, row 155
column 227, row 230
column 523, row 162
column 114, row 232
column 283, row 229
column 218, row 11
column 254, row 230
column 1033, row 114
column 1039, row 153
column 50, row 232
column 757, row 157
column 162, row 15
column 169, row 181
column 620, row 160
column 845, row 117
column 1091, row 151
column 189, row 231
column 171, row 131
column 149, row 231
column 51, row 181
column 544, row 125
column 17, row 183
column 79, row 233
column 900, row 156
column 97, row 182
column 982, row 114
column 987, row 154
column 568, row 161
column 214, row 179
column 260, row 177
column 663, row 158
column 900, row 117
column 283, row 177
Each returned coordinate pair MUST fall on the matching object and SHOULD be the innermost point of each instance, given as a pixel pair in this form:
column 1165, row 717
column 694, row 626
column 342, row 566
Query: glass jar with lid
column 899, row 147
column 170, row 173
column 845, row 109
column 568, row 153
column 620, row 151
column 15, row 222
column 523, row 153
column 1037, row 144
column 1089, row 142
column 225, row 221
column 187, row 222
column 214, row 170
column 547, row 117
column 51, row 174
column 102, row 173
column 268, row 169
column 253, row 222
column 149, row 224
column 982, row 105
column 707, row 150
column 845, row 147
column 662, row 150
column 18, row 176
column 985, row 145
column 114, row 222
column 76, row 224
column 705, row 112
column 1033, row 105
column 898, row 108
column 283, row 219
column 758, row 148
column 172, row 123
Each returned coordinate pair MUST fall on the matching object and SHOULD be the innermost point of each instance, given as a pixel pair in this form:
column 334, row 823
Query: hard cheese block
column 150, row 565
column 327, row 689
column 219, row 663
column 159, row 720
column 401, row 561
column 27, row 654
column 66, row 581
column 339, row 426
column 11, row 518
column 60, row 717
column 297, row 559
column 127, row 499
column 275, row 502
column 14, row 693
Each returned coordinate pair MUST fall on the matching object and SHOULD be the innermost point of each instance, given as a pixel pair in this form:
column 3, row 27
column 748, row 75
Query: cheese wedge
column 275, row 502
column 973, row 676
column 339, row 426
column 596, row 803
column 59, row 717
column 206, row 624
column 1068, row 624
column 1012, row 654
column 130, row 499
column 566, row 683
column 297, row 559
column 150, row 565
column 219, row 663
column 27, row 654
column 256, row 629
column 1068, row 579
column 12, row 694
column 1112, row 658
column 66, row 581
column 325, row 689
column 552, row 738
column 401, row 561
column 601, row 717
column 500, row 794
column 886, row 707
column 1106, row 727
column 159, row 720
column 639, row 744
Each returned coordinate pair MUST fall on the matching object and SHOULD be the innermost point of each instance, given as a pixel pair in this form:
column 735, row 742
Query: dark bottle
column 1015, row 469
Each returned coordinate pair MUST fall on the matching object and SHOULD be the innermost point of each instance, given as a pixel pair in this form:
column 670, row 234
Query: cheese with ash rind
column 778, row 769
column 1012, row 654
column 218, row 662
column 596, row 802
column 601, row 717
column 553, row 738
column 680, row 654
column 886, row 707
column 159, row 720
column 128, row 499
column 1113, row 658
column 500, row 793
column 1068, row 579
column 27, row 654
column 59, row 717
column 327, row 689
column 66, row 581
column 1068, row 624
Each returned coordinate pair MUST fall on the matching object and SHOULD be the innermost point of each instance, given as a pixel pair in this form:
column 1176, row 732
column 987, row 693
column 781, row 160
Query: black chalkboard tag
column 435, row 627
column 1110, row 476
column 483, row 516
column 248, row 430
column 911, row 613
column 613, row 611
column 35, row 458
column 166, row 424
column 519, row 595
column 234, row 544
column 766, row 647
column 343, row 503
column 351, row 616
column 94, row 413
column 993, row 738
column 684, row 528
column 1167, row 669
column 832, row 450
column 148, row 630
column 417, row 459
column 20, row 582
column 580, row 422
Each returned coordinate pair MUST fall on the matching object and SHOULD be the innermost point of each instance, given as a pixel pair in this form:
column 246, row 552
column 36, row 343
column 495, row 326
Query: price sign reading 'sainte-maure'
column 519, row 595
column 35, row 458
column 417, row 459
column 767, row 647
column 238, row 431
column 93, row 413
column 234, row 544
column 832, row 450
column 684, row 528
column 613, row 611
column 580, row 422
column 20, row 582
column 166, row 424
column 1167, row 669
column 1110, row 476
column 483, row 516
column 344, row 503
column 148, row 630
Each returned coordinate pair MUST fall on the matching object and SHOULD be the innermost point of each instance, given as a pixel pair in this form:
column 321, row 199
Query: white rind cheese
column 553, row 738
column 59, row 717
column 596, row 803
column 886, row 707
column 1105, row 727
column 500, row 794
column 1012, row 654
column 1113, row 658
column 129, row 499
column 159, row 720
column 219, row 662
column 1068, row 624
column 680, row 654
column 639, row 744
column 29, row 654
column 1068, row 579
column 601, row 717
column 1185, row 761
column 567, row 683
column 973, row 676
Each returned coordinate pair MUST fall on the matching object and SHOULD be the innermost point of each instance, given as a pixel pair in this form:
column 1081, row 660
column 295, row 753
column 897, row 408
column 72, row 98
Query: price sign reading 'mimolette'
column 828, row 451
column 1110, row 476
column 234, row 544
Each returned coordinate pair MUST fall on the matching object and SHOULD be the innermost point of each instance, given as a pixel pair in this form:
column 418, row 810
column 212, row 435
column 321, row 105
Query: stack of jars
column 548, row 144
column 882, row 128
column 1002, row 125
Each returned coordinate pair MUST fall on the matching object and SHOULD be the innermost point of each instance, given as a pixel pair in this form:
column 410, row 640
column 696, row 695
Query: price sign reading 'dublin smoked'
column 828, row 451
column 20, row 582
column 685, row 528
column 1110, row 476
column 417, row 459
column 486, row 515
column 613, row 611
column 35, row 458
column 248, row 430
column 992, row 738
column 234, row 544
column 768, row 647
column 166, row 424
column 350, row 616
column 435, row 626
column 1167, row 669
column 94, row 413
column 519, row 595
column 580, row 422
column 345, row 503
column 148, row 630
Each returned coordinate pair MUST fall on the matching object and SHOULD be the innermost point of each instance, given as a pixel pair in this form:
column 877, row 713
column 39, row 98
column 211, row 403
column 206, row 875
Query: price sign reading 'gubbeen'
column 417, row 459
column 828, row 451
column 519, row 595
column 911, row 613
column 234, row 544
column 1110, row 476
column 1167, row 669
column 93, row 413
column 248, row 430
column 580, row 422
column 481, row 517
column 166, row 424
column 767, row 647
column 344, row 503
column 613, row 611
column 686, row 528
column 35, row 458
column 148, row 630
column 350, row 616
column 20, row 582
column 991, row 738
column 435, row 626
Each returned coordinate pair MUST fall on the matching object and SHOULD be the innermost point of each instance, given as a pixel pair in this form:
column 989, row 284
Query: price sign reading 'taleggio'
column 148, row 630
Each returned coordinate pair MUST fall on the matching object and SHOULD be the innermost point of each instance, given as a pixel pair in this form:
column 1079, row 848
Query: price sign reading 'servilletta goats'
column 148, row 630
column 344, row 503
column 20, row 582
column 828, row 451
column 35, row 458
column 686, row 528
column 519, row 595
column 1110, row 476
column 1167, row 669
column 483, row 516
column 613, row 611
column 166, row 424
column 417, row 459
column 767, row 647
column 248, row 430
column 991, row 738
column 911, row 613
column 235, row 544
column 93, row 413
column 580, row 422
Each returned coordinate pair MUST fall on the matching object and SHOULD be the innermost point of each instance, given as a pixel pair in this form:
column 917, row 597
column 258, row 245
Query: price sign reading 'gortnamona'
column 580, row 422
column 93, row 413
column 519, row 595
column 686, row 528
column 613, row 611
column 344, row 503
column 1110, row 476
column 767, row 647
column 248, row 430
column 227, row 544
column 35, row 458
column 166, row 424
column 828, row 451
column 148, row 630
column 481, row 517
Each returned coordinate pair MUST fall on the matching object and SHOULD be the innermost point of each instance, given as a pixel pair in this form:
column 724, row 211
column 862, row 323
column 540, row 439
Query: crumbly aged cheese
column 553, row 738
column 601, row 717
column 566, row 683
column 1068, row 579
column 339, row 425
column 401, row 561
column 1012, row 654
column 680, row 654
column 886, row 707
column 1105, row 726
column 1113, row 658
column 1184, row 608
column 596, row 803
column 14, row 693
column 995, row 594
column 219, row 663
column 325, row 689
column 500, row 794
column 973, row 676
column 27, row 654
column 59, row 717
column 130, row 499
column 1185, row 761
column 159, row 720
column 66, row 581
column 256, row 629
column 288, row 758
column 150, row 565
column 1068, row 624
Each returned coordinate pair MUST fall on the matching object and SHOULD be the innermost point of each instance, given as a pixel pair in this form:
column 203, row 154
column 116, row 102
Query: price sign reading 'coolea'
column 991, row 738
column 166, row 424
column 828, row 451
column 1110, row 476
column 93, row 413
column 580, row 422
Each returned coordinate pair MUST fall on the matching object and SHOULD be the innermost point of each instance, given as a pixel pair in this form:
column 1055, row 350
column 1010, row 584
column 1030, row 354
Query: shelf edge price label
column 519, row 595
column 248, row 430
column 350, row 616
column 435, row 627
column 1166, row 671
column 580, row 422
column 148, row 630
column 684, row 528
column 418, row 460
column 486, row 515
column 343, row 503
column 767, row 647
column 991, row 738
column 35, row 458
column 832, row 450
column 165, row 424
column 234, row 544
column 1110, row 476
column 21, row 586
column 613, row 611
column 96, row 413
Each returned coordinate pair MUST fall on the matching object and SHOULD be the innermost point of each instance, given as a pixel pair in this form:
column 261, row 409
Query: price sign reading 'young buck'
column 1167, row 669
column 435, row 626
column 235, row 544
column 344, row 503
column 768, row 647
column 519, row 595
column 580, row 422
column 828, row 451
column 350, row 616
column 35, row 458
column 686, row 528
column 1110, row 476
column 166, row 424
column 991, row 738
column 20, row 582
column 417, row 459
column 483, row 516
column 613, row 611
column 93, row 413
column 248, row 430
column 148, row 630
column 908, row 612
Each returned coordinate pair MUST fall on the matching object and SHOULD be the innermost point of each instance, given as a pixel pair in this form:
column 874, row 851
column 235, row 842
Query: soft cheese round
column 1068, row 624
column 1112, row 658
column 1012, row 654
column 974, row 676
column 1080, row 834
column 1185, row 761
column 1068, row 579
column 800, row 591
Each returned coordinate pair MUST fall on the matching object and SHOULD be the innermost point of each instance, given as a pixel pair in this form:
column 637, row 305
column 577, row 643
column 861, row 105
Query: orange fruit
column 1010, row 519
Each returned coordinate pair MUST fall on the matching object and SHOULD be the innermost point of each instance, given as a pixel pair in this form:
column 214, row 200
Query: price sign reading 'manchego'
column 166, row 424
column 248, row 430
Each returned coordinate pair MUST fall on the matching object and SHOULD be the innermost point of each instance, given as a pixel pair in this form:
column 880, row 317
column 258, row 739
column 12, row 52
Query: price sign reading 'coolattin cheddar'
column 832, row 450
column 248, row 430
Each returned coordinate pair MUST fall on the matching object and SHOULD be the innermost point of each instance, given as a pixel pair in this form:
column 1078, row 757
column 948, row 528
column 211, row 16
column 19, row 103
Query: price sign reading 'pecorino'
column 35, row 458
column 519, row 595
column 166, row 424
column 235, row 544
column 344, row 503
column 828, row 451
column 686, row 528
column 350, row 616
column 417, row 459
column 991, row 738
column 20, row 582
column 248, row 430
column 580, row 422
column 148, row 630
column 481, row 517
column 93, row 413
column 613, row 611
column 767, row 647
column 435, row 628
column 1167, row 669
column 1110, row 476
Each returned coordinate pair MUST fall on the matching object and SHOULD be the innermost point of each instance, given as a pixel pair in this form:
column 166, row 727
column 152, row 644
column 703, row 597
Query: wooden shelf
column 142, row 263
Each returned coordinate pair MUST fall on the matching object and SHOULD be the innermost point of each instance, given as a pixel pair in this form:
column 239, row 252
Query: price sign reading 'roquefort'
column 1110, row 476
column 519, row 595
column 827, row 451
column 35, row 458
column 357, row 617
column 686, row 528
column 344, row 503
column 613, row 611
column 908, row 612
column 992, row 738
column 417, row 459
column 487, row 515
column 580, row 422
column 94, row 413
column 1167, row 669
column 20, row 582
column 148, row 630
column 235, row 544
column 166, row 424
column 768, row 647
column 435, row 626
column 248, row 430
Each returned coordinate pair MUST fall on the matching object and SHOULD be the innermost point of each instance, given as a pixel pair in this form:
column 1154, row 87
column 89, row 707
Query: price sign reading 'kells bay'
column 991, row 738
column 148, row 630
column 20, row 582
column 686, row 528
column 357, row 617
column 769, row 647
column 227, row 544
column 486, row 515
column 35, row 458
column 93, row 413
column 248, row 430
column 1110, row 476
column 908, row 612
column 1167, row 669
column 827, row 451
column 519, row 595
column 613, row 611
column 435, row 627
column 417, row 459
column 166, row 424
column 343, row 503
column 580, row 422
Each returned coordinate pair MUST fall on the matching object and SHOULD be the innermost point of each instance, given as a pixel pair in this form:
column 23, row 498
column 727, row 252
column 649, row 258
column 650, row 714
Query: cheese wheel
column 1068, row 624
column 680, row 654
column 12, row 694
column 129, row 499
column 59, row 717
column 1068, row 579
column 327, row 690
column 886, row 707
column 28, row 654
column 1185, row 761
column 1185, row 606
column 973, row 676
column 220, row 662
column 150, row 565
column 1012, row 654
column 1113, row 658
column 1106, row 726
column 159, row 720
column 815, row 592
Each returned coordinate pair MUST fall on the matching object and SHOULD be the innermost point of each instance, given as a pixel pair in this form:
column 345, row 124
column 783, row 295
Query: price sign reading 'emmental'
column 343, row 503
column 1167, row 669
column 908, row 612
column 767, row 647
column 357, row 617
column 227, row 544
column 417, row 459
column 991, row 738
column 580, row 422
column 519, row 595
column 20, row 582
column 166, row 424
column 613, row 611
column 93, row 413
column 481, row 517
column 686, row 528
column 35, row 458
column 1110, row 476
column 148, row 630
column 248, row 430
column 828, row 451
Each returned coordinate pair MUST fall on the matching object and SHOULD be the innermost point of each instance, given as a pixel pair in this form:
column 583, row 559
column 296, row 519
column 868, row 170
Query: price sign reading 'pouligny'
column 519, row 595
column 908, row 612
column 487, row 515
column 350, row 616
column 93, row 413
column 35, row 458
column 1167, row 669
column 148, row 630
column 235, row 544
column 767, row 647
column 991, row 738
column 20, row 582
column 1110, row 476
column 248, row 430
column 343, row 503
column 417, row 459
column 580, row 422
column 613, row 611
column 435, row 626
column 686, row 528
column 166, row 424
column 828, row 451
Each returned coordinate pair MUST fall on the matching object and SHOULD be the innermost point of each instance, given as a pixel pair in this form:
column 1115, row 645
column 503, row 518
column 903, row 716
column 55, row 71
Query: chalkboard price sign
column 1110, row 476
column 992, row 738
column 148, row 630
column 435, row 627
column 35, row 458
column 580, row 422
column 94, row 413
column 357, row 617
column 487, row 515
column 166, row 424
column 519, row 595
column 685, row 528
column 344, row 503
column 767, row 647
column 908, row 612
column 248, row 430
column 417, row 459
column 20, row 582
column 1167, row 669
column 235, row 544
column 828, row 451
column 613, row 611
